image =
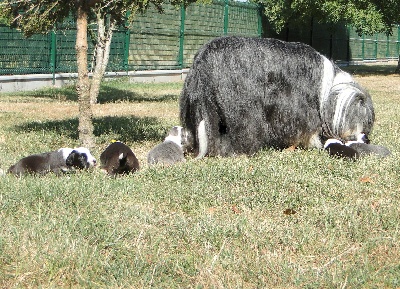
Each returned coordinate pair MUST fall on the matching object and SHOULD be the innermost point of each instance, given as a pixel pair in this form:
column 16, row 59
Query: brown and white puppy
column 118, row 158
column 60, row 161
column 171, row 150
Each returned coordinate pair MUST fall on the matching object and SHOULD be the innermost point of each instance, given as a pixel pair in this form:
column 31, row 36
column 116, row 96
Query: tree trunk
column 102, row 53
column 398, row 66
column 85, row 127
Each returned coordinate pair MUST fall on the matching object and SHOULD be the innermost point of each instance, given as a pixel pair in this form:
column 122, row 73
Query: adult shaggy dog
column 243, row 94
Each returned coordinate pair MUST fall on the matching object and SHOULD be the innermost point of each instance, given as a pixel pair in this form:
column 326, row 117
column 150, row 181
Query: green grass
column 291, row 219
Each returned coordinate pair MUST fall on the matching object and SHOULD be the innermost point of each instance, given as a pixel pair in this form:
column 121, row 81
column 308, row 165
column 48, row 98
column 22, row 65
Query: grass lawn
column 291, row 219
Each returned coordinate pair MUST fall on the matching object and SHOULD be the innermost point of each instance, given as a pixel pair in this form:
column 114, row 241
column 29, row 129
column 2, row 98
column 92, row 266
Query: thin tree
column 41, row 16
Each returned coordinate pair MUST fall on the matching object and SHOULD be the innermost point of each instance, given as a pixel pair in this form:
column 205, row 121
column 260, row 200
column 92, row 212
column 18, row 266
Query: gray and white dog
column 171, row 150
column 363, row 146
column 243, row 94
column 58, row 162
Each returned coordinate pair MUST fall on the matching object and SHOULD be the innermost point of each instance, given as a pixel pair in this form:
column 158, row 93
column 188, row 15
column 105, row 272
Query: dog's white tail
column 202, row 138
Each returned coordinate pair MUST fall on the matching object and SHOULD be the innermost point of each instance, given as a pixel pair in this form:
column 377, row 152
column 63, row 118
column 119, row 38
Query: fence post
column 398, row 41
column 53, row 50
column 259, row 14
column 387, row 47
column 348, row 52
column 226, row 16
column 363, row 48
column 181, row 36
column 126, row 44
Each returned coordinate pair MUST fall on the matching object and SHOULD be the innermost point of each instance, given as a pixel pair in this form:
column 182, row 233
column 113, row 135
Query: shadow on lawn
column 112, row 94
column 128, row 129
column 374, row 69
column 107, row 94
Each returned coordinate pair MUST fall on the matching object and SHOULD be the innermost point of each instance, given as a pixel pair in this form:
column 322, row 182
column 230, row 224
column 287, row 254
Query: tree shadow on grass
column 365, row 70
column 107, row 94
column 127, row 129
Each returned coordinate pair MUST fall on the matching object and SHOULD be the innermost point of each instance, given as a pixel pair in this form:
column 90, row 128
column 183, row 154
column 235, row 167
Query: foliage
column 367, row 16
column 40, row 16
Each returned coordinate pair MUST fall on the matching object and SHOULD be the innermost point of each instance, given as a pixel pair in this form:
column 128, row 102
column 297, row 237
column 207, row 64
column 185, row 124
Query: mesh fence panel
column 170, row 40
column 17, row 55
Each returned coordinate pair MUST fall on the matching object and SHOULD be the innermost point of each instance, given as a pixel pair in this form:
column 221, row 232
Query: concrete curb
column 14, row 83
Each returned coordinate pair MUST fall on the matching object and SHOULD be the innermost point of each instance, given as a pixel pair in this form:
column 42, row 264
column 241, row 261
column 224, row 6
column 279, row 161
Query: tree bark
column 85, row 127
column 102, row 53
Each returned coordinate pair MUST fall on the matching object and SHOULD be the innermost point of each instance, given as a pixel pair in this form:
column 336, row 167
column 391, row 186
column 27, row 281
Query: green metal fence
column 155, row 41
column 342, row 43
column 170, row 40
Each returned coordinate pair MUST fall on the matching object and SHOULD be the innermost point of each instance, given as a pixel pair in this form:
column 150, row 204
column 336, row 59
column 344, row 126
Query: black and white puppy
column 118, row 158
column 171, row 150
column 336, row 148
column 60, row 161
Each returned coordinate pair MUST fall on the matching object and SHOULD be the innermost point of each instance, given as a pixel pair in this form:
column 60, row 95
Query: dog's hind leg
column 202, row 140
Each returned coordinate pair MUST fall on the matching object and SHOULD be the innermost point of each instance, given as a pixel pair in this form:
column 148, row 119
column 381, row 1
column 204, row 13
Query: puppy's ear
column 77, row 160
column 174, row 131
column 365, row 139
column 71, row 159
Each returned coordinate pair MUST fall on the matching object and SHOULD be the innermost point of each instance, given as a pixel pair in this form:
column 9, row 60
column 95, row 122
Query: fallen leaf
column 235, row 209
column 291, row 148
column 375, row 205
column 211, row 210
column 367, row 179
column 289, row 212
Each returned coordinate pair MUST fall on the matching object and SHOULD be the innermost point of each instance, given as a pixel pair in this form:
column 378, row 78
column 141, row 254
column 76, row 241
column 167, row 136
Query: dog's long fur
column 118, row 158
column 171, row 150
column 60, row 161
column 243, row 94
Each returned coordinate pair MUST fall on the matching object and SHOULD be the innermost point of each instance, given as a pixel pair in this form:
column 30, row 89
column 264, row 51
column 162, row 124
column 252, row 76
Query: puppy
column 369, row 149
column 336, row 148
column 60, row 161
column 118, row 158
column 363, row 147
column 171, row 150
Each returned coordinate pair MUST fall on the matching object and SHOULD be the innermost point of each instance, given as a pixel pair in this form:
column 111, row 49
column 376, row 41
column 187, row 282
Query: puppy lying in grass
column 365, row 149
column 170, row 151
column 336, row 148
column 355, row 149
column 58, row 162
column 118, row 158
